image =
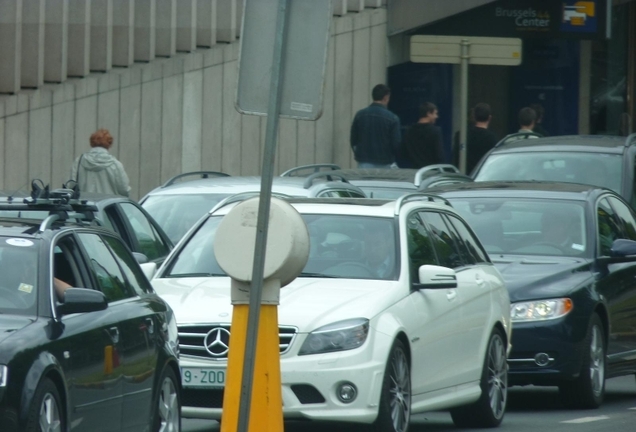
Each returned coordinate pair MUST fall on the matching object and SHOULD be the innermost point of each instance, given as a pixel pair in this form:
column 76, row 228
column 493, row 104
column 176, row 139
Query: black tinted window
column 421, row 250
column 608, row 227
column 104, row 266
column 447, row 252
column 134, row 275
column 626, row 217
column 468, row 242
column 150, row 243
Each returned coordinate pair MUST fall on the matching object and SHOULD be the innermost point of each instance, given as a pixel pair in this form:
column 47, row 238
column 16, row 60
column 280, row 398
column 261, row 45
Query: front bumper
column 309, row 386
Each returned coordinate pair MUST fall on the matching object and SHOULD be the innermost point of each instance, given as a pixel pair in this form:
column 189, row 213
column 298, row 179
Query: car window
column 445, row 247
column 626, row 217
column 608, row 227
column 107, row 273
column 335, row 193
column 149, row 240
column 19, row 276
column 575, row 167
column 468, row 241
column 113, row 221
column 420, row 246
column 134, row 275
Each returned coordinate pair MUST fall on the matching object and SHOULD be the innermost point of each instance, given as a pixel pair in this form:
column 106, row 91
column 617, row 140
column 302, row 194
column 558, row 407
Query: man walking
column 527, row 118
column 375, row 132
column 479, row 140
column 423, row 141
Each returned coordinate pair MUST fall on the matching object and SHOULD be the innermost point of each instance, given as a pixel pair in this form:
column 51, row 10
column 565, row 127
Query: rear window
column 596, row 169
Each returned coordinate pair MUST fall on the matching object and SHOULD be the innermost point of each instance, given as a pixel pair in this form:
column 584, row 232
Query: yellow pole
column 266, row 406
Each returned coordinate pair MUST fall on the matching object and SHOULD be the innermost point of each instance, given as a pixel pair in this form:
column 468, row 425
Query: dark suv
column 597, row 160
column 84, row 339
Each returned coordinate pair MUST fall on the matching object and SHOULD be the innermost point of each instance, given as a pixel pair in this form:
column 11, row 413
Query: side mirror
column 141, row 258
column 436, row 277
column 623, row 247
column 149, row 269
column 80, row 300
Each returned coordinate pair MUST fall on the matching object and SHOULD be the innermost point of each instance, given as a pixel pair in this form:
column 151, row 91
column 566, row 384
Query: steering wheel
column 367, row 272
column 14, row 297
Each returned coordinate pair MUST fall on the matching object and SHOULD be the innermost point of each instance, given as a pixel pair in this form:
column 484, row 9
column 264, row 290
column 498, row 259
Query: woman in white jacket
column 99, row 171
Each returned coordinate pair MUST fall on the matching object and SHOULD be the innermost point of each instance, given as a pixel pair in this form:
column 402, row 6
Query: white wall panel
column 40, row 143
column 192, row 112
column 130, row 134
column 212, row 128
column 150, row 161
column 171, row 127
column 16, row 141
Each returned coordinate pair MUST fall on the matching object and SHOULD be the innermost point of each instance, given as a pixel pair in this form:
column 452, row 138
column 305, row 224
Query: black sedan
column 85, row 343
column 568, row 255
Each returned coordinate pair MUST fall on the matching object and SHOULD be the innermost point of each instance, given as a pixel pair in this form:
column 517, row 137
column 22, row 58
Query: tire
column 588, row 390
column 46, row 412
column 488, row 411
column 167, row 404
column 394, row 412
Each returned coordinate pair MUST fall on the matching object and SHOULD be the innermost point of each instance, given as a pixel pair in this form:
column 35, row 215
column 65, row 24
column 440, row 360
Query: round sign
column 19, row 242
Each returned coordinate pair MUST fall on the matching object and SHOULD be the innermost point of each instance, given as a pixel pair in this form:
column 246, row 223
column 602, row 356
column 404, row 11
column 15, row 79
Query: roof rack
column 418, row 196
column 517, row 136
column 440, row 168
column 203, row 174
column 242, row 196
column 320, row 174
column 315, row 167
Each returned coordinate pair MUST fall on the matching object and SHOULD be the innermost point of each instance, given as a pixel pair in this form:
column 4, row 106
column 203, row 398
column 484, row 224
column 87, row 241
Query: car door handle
column 113, row 332
column 150, row 324
column 451, row 294
column 479, row 280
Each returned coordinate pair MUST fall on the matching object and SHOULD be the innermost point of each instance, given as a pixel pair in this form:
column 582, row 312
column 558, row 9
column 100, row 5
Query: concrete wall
column 177, row 114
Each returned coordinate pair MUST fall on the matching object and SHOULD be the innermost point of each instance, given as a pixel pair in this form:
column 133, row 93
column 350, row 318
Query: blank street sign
column 481, row 50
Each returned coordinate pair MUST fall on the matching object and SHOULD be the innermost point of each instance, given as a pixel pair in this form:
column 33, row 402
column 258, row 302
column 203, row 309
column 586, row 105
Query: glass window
column 150, row 242
column 134, row 275
column 421, row 251
column 471, row 244
column 105, row 268
column 447, row 252
column 626, row 216
column 19, row 276
column 608, row 227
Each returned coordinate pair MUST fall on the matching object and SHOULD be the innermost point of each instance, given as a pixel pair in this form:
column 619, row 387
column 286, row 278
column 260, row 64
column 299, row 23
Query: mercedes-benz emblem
column 216, row 342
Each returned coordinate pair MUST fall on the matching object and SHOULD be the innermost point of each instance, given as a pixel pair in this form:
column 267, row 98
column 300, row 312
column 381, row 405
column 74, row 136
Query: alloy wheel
column 497, row 377
column 50, row 415
column 400, row 391
column 168, row 407
column 597, row 360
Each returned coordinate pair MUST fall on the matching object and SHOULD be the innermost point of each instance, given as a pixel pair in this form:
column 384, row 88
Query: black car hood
column 533, row 277
column 10, row 324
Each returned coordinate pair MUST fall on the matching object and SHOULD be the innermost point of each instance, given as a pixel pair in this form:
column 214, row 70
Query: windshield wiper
column 178, row 275
column 316, row 275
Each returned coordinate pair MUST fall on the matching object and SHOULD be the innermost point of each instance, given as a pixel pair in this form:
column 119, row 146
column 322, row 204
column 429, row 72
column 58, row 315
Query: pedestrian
column 423, row 141
column 479, row 139
column 538, row 124
column 527, row 119
column 375, row 132
column 99, row 171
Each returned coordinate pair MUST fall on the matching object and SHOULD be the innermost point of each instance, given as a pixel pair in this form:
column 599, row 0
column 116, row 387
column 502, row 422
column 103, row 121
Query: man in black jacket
column 423, row 141
column 375, row 132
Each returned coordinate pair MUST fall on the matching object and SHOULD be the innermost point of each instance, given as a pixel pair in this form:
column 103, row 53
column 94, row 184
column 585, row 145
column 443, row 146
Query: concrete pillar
column 79, row 38
column 339, row 7
column 187, row 25
column 206, row 23
column 10, row 45
column 240, row 7
column 166, row 39
column 32, row 67
column 226, row 20
column 56, row 40
column 373, row 3
column 102, row 35
column 355, row 5
column 123, row 32
column 145, row 14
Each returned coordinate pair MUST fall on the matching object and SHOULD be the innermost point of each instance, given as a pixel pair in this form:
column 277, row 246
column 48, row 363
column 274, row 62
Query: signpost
column 283, row 50
column 465, row 50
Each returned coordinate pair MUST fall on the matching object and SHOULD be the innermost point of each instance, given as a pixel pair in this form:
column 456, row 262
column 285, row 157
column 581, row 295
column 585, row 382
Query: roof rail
column 440, row 168
column 320, row 174
column 517, row 136
column 242, row 196
column 203, row 174
column 631, row 139
column 315, row 167
column 418, row 196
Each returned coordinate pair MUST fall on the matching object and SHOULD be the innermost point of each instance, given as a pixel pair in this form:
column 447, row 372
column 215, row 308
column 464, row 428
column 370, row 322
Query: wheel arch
column 601, row 311
column 44, row 366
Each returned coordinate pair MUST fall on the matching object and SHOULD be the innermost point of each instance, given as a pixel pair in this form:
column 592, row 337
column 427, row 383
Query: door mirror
column 149, row 269
column 623, row 247
column 80, row 300
column 436, row 277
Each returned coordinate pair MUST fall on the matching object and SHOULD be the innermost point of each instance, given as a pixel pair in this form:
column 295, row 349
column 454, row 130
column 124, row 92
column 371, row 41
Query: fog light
column 542, row 359
column 347, row 392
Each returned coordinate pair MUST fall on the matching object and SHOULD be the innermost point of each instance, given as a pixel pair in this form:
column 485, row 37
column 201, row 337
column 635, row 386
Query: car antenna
column 10, row 197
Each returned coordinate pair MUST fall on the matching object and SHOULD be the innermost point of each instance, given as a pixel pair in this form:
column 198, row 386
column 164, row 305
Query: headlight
column 4, row 373
column 540, row 310
column 340, row 336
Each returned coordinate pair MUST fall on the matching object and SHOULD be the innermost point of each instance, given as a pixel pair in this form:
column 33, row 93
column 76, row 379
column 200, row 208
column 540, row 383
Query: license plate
column 203, row 377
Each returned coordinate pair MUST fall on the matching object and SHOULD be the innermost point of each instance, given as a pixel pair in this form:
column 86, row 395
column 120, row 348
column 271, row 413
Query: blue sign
column 579, row 17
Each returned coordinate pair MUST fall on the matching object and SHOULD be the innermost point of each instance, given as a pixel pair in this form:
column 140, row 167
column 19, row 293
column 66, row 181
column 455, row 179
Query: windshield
column 18, row 281
column 353, row 247
column 176, row 214
column 526, row 227
column 574, row 167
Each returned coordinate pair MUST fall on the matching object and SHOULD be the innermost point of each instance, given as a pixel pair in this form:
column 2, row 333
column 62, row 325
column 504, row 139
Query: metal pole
column 463, row 106
column 262, row 223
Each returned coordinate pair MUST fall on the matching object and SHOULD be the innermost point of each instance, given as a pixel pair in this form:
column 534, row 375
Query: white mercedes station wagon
column 398, row 311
